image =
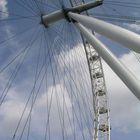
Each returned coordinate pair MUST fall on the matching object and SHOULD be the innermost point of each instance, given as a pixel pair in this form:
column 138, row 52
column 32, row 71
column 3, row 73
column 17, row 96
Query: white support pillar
column 125, row 75
column 127, row 38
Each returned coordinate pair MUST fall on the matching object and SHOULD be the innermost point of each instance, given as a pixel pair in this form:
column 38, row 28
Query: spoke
column 15, row 35
column 30, row 95
column 75, row 93
column 16, row 15
column 122, row 5
column 22, row 5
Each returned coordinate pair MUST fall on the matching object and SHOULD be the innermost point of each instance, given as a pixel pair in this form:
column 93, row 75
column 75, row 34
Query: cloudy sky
column 57, row 75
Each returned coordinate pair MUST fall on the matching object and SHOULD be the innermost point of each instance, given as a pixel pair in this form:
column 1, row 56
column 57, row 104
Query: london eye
column 52, row 79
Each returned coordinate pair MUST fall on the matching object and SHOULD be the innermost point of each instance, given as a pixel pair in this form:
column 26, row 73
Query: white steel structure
column 100, row 98
column 93, row 52
column 100, row 103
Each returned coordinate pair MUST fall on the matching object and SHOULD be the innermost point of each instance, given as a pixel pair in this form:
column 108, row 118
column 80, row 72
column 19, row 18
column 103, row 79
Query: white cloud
column 3, row 8
column 10, row 112
column 60, row 89
column 133, row 27
column 125, row 107
column 42, row 107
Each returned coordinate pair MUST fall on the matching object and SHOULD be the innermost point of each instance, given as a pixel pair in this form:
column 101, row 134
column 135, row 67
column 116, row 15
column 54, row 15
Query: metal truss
column 100, row 98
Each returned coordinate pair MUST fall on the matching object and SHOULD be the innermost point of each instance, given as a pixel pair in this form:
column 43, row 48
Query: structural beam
column 125, row 75
column 62, row 14
column 127, row 38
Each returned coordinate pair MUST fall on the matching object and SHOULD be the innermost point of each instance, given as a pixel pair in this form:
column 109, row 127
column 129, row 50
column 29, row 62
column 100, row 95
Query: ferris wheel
column 52, row 79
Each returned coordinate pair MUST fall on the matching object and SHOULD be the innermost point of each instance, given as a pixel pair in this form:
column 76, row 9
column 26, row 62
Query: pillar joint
column 53, row 17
